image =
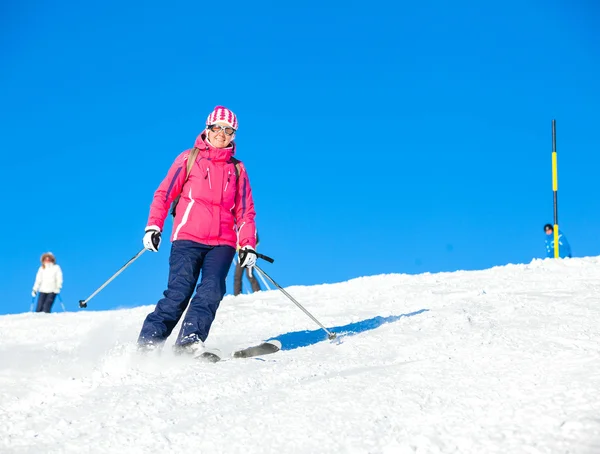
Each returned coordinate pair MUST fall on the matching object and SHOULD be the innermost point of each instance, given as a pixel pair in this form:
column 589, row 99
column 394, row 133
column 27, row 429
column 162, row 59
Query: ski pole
column 31, row 306
column 268, row 259
column 267, row 286
column 83, row 303
column 61, row 302
column 251, row 273
column 330, row 334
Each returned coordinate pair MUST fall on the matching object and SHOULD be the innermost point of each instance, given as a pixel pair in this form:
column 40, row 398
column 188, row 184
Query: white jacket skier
column 49, row 278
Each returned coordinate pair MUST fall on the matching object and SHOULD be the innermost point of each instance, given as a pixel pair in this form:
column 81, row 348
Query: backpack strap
column 236, row 163
column 190, row 162
column 237, row 167
column 188, row 169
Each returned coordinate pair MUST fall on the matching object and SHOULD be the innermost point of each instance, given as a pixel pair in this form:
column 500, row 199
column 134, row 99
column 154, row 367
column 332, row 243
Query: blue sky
column 397, row 137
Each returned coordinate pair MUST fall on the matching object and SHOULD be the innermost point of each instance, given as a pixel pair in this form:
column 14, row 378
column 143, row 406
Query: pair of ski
column 265, row 348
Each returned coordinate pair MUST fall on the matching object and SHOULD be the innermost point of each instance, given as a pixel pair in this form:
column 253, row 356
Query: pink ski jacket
column 215, row 207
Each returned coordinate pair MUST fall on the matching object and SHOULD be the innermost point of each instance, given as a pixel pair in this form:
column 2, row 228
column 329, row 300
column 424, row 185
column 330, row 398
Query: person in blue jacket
column 564, row 249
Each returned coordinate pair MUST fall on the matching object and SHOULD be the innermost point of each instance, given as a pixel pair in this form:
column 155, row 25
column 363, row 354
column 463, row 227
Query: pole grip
column 265, row 257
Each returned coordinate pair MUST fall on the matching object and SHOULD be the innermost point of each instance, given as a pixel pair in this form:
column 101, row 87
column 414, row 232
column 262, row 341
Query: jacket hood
column 207, row 150
column 49, row 255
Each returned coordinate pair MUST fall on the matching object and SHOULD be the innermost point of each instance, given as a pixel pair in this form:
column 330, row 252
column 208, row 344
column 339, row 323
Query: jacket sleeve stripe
column 244, row 197
column 177, row 172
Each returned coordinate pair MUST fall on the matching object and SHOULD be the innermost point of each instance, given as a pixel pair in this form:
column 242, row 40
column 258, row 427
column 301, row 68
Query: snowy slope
column 505, row 360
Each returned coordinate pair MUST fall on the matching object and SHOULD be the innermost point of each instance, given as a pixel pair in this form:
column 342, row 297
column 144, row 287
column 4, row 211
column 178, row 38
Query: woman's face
column 220, row 134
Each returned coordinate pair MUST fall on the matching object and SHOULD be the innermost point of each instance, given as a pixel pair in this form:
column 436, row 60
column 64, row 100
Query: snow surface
column 505, row 360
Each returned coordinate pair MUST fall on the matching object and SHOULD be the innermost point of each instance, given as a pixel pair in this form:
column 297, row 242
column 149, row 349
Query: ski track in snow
column 505, row 360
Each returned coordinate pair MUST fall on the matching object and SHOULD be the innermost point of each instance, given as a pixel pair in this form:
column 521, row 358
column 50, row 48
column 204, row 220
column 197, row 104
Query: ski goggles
column 226, row 129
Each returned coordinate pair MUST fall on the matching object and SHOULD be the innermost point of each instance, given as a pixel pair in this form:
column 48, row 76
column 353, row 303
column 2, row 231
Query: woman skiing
column 214, row 215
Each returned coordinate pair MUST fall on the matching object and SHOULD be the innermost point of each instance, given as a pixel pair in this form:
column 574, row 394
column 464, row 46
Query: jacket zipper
column 228, row 178
column 208, row 175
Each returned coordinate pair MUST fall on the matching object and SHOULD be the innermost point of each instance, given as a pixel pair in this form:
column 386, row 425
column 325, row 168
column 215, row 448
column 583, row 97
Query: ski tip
column 275, row 343
column 265, row 348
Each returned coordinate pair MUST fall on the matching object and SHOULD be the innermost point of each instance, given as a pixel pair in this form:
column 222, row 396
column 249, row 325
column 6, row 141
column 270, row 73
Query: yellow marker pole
column 555, row 188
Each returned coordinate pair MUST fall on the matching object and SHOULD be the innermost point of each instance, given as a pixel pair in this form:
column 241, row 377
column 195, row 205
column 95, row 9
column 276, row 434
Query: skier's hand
column 33, row 293
column 247, row 256
column 152, row 238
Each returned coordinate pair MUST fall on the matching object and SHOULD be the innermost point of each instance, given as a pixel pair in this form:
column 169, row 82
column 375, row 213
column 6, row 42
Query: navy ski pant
column 186, row 261
column 45, row 302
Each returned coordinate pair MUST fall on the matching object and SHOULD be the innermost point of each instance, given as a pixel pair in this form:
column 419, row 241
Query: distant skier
column 239, row 275
column 564, row 249
column 48, row 281
column 215, row 213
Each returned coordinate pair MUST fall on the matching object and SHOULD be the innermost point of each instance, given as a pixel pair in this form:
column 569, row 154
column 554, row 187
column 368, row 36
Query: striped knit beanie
column 222, row 114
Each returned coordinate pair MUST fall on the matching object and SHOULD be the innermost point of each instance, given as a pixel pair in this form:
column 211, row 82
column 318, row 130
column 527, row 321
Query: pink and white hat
column 222, row 114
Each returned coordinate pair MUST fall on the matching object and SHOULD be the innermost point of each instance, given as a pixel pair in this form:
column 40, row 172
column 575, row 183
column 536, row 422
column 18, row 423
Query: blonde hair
column 47, row 255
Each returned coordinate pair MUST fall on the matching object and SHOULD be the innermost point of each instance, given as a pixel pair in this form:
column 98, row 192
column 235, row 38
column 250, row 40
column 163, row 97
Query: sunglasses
column 226, row 129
